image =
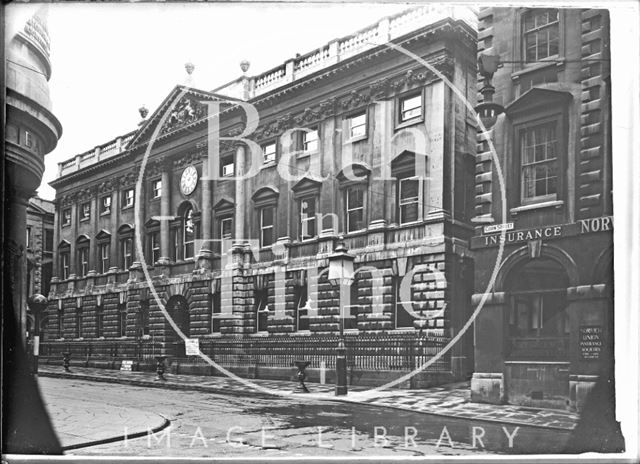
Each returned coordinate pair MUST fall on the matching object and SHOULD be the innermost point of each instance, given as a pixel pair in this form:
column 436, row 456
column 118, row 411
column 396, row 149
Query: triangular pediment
column 224, row 204
column 103, row 234
column 538, row 97
column 182, row 108
column 307, row 183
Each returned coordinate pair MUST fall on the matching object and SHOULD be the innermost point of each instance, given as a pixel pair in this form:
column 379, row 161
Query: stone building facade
column 31, row 131
column 545, row 333
column 354, row 139
column 39, row 245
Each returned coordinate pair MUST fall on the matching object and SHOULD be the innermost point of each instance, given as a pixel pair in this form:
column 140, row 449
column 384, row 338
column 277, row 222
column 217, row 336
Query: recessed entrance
column 537, row 334
column 178, row 309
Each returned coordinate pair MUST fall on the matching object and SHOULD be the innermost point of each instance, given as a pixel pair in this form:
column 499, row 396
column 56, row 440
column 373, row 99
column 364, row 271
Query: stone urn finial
column 189, row 66
column 143, row 111
column 244, row 65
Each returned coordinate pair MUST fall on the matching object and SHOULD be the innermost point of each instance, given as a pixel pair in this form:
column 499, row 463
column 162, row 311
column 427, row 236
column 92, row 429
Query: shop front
column 545, row 333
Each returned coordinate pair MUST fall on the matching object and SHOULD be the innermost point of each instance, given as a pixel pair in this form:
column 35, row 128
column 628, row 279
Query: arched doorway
column 537, row 322
column 178, row 309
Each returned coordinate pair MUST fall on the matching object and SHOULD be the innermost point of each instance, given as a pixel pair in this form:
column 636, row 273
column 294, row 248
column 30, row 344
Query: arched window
column 125, row 234
column 82, row 245
column 64, row 252
column 188, row 233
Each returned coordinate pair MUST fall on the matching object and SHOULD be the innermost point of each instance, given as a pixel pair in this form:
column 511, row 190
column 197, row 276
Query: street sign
column 126, row 365
column 498, row 227
column 192, row 346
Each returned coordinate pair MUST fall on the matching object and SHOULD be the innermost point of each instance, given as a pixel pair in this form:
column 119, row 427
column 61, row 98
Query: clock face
column 189, row 180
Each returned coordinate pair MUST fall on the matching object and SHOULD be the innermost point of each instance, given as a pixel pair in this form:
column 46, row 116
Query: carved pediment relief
column 182, row 107
column 185, row 112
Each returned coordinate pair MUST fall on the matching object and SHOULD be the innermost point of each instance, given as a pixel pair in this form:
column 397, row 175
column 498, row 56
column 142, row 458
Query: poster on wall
column 590, row 342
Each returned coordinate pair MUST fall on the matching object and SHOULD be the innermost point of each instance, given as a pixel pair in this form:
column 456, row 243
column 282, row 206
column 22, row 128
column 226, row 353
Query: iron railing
column 397, row 352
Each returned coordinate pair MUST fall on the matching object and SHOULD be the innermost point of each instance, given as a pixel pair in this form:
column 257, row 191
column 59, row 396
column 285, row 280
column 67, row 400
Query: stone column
column 113, row 247
column 381, row 164
column 56, row 239
column 73, row 248
column 205, row 224
column 240, row 193
column 15, row 249
column 165, row 211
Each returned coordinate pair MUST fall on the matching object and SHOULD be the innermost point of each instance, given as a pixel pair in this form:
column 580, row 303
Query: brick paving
column 448, row 400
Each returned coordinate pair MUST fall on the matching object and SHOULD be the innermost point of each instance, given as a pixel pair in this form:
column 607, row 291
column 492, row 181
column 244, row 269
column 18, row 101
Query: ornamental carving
column 106, row 186
column 284, row 123
column 380, row 88
column 354, row 99
column 186, row 112
column 154, row 168
column 188, row 160
column 328, row 107
column 128, row 179
column 307, row 116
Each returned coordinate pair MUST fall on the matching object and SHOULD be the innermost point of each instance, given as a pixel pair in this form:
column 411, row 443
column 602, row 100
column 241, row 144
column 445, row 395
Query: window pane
column 358, row 125
column 267, row 236
column 267, row 217
column 226, row 231
column 269, row 152
column 355, row 198
column 408, row 213
column 356, row 220
column 409, row 188
column 411, row 103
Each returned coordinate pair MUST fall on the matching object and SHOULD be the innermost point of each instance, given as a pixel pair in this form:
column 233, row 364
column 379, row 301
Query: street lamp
column 341, row 273
column 488, row 110
column 36, row 303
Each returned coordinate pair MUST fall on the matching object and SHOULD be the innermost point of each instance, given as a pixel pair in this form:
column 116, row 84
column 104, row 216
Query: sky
column 109, row 59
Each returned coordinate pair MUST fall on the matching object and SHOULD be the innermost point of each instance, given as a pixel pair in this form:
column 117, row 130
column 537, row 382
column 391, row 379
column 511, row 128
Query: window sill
column 306, row 154
column 87, row 219
column 66, row 225
column 105, row 213
column 355, row 232
column 259, row 334
column 268, row 164
column 351, row 331
column 156, row 198
column 127, row 207
column 409, row 122
column 535, row 206
column 359, row 138
column 548, row 62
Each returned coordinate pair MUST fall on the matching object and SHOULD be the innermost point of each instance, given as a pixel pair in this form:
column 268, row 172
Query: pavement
column 95, row 424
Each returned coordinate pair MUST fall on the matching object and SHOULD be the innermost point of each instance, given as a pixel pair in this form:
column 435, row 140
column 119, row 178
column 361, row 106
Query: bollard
column 160, row 368
column 65, row 361
column 323, row 372
column 301, row 375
